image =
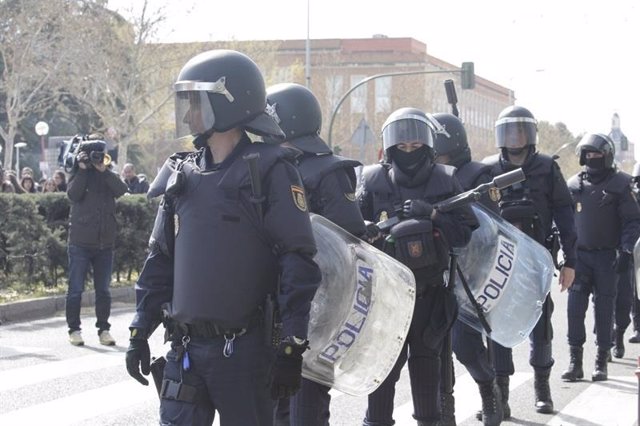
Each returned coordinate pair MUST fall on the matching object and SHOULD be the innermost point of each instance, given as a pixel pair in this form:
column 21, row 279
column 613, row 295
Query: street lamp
column 42, row 130
column 17, row 146
column 466, row 71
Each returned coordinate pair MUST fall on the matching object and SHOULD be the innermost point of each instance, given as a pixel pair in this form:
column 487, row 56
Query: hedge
column 33, row 237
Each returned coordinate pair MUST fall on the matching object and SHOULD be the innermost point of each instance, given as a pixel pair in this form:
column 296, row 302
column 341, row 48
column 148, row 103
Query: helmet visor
column 407, row 131
column 194, row 115
column 516, row 132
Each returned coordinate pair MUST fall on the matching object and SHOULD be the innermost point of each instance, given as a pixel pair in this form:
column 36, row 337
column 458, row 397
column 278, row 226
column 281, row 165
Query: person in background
column 28, row 184
column 136, row 184
column 607, row 218
column 93, row 190
column 60, row 178
column 49, row 185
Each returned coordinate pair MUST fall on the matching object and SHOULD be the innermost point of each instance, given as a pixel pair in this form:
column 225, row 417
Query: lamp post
column 464, row 71
column 17, row 146
column 42, row 130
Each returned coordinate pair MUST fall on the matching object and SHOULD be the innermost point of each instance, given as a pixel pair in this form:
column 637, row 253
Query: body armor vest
column 388, row 198
column 598, row 222
column 527, row 204
column 469, row 174
column 224, row 263
column 314, row 168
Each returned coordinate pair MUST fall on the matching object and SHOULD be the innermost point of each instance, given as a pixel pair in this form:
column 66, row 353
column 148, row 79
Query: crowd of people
column 28, row 184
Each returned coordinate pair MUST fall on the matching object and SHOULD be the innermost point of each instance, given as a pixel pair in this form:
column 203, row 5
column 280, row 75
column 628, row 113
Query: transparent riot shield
column 509, row 275
column 360, row 314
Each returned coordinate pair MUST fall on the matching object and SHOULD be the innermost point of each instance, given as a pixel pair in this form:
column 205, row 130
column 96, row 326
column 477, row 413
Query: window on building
column 383, row 95
column 334, row 90
column 358, row 96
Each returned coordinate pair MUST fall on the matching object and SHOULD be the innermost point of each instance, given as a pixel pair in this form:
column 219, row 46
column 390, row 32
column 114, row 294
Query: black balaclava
column 595, row 168
column 410, row 162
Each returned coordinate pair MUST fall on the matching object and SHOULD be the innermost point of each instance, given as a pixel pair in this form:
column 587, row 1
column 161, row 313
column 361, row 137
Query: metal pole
column 18, row 163
column 373, row 77
column 308, row 53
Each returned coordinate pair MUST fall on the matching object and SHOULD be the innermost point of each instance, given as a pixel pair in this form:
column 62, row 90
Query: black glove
column 418, row 209
column 139, row 358
column 372, row 232
column 623, row 261
column 287, row 369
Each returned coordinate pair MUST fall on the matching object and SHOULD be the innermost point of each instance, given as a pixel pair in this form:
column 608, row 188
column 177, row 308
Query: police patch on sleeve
column 298, row 197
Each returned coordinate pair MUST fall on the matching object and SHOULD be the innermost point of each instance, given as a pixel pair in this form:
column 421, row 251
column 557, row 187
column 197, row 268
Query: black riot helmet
column 218, row 90
column 453, row 142
column 406, row 125
column 297, row 111
column 516, row 128
column 596, row 142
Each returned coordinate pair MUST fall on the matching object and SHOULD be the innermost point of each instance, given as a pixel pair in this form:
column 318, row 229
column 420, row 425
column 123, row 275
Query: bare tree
column 125, row 84
column 36, row 51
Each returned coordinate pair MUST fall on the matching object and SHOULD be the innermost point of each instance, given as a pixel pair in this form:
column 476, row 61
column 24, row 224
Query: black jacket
column 137, row 185
column 92, row 223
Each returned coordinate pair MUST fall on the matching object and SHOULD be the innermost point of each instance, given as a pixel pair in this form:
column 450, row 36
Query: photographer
column 92, row 189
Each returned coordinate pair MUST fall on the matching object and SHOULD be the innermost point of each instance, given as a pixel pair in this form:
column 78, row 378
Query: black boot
column 448, row 408
column 618, row 343
column 544, row 404
column 492, row 412
column 574, row 372
column 503, row 384
column 600, row 372
column 635, row 338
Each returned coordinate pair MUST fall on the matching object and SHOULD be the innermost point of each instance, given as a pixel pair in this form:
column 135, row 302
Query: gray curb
column 42, row 307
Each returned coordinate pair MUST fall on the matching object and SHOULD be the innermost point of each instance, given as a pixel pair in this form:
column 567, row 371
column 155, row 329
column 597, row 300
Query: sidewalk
column 42, row 307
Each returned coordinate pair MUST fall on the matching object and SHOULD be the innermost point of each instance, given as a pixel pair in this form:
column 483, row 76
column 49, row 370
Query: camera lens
column 96, row 157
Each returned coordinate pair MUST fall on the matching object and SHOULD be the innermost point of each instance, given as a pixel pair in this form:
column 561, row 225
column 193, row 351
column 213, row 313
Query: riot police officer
column 407, row 185
column 532, row 206
column 452, row 148
column 608, row 224
column 329, row 182
column 221, row 357
column 635, row 304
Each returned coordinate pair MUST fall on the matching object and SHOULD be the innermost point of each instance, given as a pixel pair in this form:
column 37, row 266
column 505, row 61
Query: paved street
column 44, row 380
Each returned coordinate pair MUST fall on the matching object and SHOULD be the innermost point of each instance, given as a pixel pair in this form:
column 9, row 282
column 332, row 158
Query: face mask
column 594, row 165
column 410, row 162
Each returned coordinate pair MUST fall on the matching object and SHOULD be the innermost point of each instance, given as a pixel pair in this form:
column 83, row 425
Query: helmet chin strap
column 200, row 141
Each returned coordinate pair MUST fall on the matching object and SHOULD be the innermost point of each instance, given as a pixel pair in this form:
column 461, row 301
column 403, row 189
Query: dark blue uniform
column 607, row 220
column 217, row 253
column 382, row 189
column 533, row 206
column 329, row 182
column 467, row 342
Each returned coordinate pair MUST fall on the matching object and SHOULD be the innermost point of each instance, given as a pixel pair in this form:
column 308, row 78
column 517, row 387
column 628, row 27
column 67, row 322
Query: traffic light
column 468, row 76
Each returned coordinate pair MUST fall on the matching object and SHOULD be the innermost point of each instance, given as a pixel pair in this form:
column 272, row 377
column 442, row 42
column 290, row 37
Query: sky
column 567, row 61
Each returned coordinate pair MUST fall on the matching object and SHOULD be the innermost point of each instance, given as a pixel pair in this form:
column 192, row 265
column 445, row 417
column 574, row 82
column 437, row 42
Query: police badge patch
column 415, row 248
column 494, row 194
column 578, row 207
column 298, row 197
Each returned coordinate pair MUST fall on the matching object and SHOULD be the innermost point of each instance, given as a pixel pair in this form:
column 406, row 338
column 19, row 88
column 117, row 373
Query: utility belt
column 176, row 330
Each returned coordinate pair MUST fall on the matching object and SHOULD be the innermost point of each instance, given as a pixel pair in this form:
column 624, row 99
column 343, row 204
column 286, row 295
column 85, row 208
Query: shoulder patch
column 299, row 198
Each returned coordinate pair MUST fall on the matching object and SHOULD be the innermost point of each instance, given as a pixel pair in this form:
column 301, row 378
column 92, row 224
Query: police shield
column 360, row 314
column 509, row 275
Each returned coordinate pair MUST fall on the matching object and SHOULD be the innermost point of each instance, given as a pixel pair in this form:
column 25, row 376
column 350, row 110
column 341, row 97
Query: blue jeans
column 101, row 261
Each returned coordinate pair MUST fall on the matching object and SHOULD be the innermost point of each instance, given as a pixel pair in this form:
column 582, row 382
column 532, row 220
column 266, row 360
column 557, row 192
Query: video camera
column 95, row 149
